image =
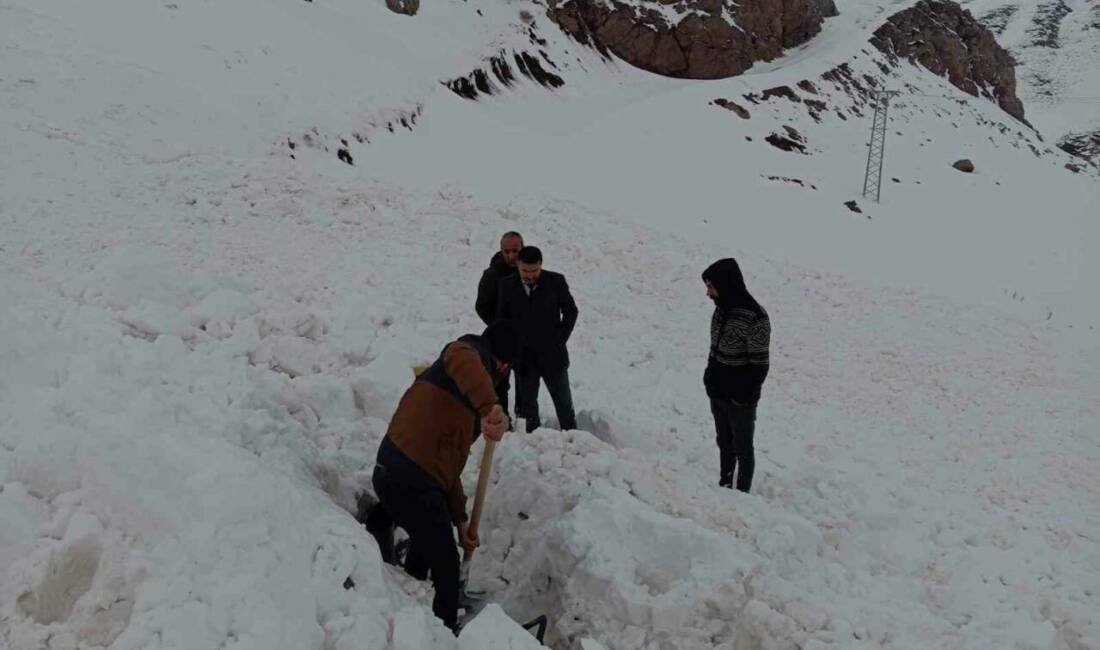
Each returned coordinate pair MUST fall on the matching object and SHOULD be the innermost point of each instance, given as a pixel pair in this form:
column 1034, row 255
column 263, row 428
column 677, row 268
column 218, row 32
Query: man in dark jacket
column 502, row 265
column 418, row 473
column 540, row 305
column 740, row 335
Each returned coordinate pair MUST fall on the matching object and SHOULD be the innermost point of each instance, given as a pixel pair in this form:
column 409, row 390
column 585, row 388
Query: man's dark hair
column 511, row 233
column 530, row 255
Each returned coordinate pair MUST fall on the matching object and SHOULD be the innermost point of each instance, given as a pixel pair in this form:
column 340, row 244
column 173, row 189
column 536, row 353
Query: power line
column 1058, row 99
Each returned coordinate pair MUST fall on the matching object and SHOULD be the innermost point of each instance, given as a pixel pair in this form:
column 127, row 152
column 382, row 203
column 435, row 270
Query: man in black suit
column 544, row 312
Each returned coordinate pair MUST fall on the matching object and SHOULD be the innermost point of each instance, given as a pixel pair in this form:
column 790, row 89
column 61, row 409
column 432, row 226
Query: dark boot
column 380, row 525
column 726, row 465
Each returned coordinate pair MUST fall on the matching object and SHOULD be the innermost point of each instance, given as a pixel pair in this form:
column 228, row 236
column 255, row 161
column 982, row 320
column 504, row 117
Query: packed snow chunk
column 654, row 570
column 81, row 583
column 149, row 320
column 325, row 397
column 130, row 276
column 601, row 425
column 354, row 632
column 46, row 471
column 415, row 628
column 295, row 322
column 20, row 516
column 589, row 644
column 68, row 576
column 609, row 429
column 378, row 387
column 292, row 355
column 790, row 542
column 218, row 312
column 494, row 630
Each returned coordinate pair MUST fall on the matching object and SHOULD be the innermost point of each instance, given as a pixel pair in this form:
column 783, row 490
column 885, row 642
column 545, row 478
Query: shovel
column 470, row 599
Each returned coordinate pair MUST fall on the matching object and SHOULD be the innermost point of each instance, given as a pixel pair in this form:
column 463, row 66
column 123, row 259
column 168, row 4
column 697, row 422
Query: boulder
column 406, row 7
column 692, row 39
column 964, row 165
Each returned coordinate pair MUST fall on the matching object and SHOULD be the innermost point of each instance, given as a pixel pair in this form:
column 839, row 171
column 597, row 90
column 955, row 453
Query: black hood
column 726, row 277
column 497, row 260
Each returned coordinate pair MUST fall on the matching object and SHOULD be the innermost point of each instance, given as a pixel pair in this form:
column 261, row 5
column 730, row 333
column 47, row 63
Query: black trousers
column 735, row 424
column 421, row 509
column 502, row 392
column 527, row 396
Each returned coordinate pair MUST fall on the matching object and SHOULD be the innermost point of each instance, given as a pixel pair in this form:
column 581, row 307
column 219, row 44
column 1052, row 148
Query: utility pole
column 872, row 178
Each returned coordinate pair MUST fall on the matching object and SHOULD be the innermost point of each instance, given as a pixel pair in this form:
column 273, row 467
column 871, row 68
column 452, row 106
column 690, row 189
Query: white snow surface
column 205, row 332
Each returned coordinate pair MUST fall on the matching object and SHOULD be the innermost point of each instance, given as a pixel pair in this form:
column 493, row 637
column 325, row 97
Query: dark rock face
column 704, row 43
column 793, row 141
column 998, row 19
column 1047, row 24
column 947, row 39
column 733, row 106
column 1083, row 145
column 501, row 75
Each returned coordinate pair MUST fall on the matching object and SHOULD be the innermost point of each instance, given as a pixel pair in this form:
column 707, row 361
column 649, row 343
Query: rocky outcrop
column 501, row 75
column 407, row 7
column 692, row 39
column 1046, row 24
column 793, row 141
column 949, row 41
column 733, row 106
column 1083, row 145
column 998, row 19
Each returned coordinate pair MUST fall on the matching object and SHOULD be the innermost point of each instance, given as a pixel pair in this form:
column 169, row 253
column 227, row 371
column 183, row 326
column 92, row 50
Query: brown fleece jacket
column 434, row 429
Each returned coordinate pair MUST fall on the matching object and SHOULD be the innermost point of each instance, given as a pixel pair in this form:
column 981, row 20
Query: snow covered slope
column 1057, row 44
column 209, row 315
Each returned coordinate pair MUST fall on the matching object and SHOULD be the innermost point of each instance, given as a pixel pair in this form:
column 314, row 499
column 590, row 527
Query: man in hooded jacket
column 418, row 473
column 740, row 335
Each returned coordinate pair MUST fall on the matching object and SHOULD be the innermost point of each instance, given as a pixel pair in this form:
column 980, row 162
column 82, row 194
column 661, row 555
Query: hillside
column 228, row 232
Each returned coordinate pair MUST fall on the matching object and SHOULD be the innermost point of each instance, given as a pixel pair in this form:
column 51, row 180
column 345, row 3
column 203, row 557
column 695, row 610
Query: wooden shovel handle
column 483, row 475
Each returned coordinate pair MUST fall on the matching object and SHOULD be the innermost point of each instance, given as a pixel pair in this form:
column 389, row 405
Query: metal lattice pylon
column 872, row 178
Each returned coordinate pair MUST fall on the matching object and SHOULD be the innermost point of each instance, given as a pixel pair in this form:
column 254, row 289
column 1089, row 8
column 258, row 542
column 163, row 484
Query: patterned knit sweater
column 739, row 354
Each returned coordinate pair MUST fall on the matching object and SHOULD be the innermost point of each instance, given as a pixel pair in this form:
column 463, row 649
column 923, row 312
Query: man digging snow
column 418, row 473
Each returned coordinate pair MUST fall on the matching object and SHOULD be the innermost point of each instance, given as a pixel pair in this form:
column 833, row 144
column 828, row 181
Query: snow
column 1059, row 81
column 671, row 14
column 205, row 338
column 493, row 630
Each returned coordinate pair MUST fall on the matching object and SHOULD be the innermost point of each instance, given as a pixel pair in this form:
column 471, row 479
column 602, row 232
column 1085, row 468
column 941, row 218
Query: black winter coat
column 489, row 287
column 544, row 320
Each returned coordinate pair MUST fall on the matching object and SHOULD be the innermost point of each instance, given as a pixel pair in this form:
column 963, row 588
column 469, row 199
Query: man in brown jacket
column 418, row 475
